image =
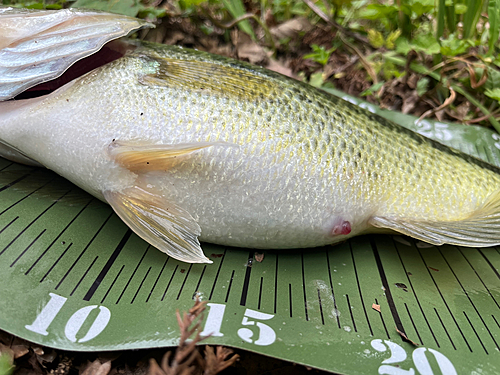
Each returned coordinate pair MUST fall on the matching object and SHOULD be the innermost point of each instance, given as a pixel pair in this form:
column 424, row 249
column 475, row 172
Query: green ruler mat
column 74, row 277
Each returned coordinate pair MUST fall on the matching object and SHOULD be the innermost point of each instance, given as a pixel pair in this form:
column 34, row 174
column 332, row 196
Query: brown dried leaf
column 278, row 67
column 259, row 257
column 63, row 367
column 20, row 350
column 5, row 350
column 174, row 37
column 376, row 307
column 438, row 111
column 217, row 362
column 97, row 368
column 154, row 369
column 462, row 110
column 409, row 102
column 38, row 350
column 247, row 49
column 291, row 28
column 48, row 356
column 403, row 335
column 35, row 364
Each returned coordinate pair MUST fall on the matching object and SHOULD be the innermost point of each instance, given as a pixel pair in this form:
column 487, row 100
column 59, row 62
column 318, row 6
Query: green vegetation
column 438, row 57
column 6, row 366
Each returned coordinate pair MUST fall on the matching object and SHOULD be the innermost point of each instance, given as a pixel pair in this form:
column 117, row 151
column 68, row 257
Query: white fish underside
column 263, row 177
column 238, row 191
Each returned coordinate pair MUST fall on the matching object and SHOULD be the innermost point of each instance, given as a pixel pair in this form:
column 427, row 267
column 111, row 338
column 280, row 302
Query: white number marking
column 215, row 317
column 75, row 322
column 496, row 137
column 214, row 320
column 422, row 363
column 78, row 318
column 267, row 336
column 420, row 360
column 47, row 315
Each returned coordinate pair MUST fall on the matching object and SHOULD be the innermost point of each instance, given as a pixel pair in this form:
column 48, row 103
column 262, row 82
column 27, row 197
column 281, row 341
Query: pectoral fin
column 160, row 222
column 146, row 157
column 480, row 229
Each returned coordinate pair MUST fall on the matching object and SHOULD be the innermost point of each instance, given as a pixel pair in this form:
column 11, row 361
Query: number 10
column 74, row 323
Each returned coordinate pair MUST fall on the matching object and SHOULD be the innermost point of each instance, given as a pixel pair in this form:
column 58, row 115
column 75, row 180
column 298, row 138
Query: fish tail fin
column 480, row 229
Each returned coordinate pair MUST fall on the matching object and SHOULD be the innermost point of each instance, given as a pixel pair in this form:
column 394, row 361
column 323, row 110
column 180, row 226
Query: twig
column 187, row 359
column 403, row 335
column 217, row 362
column 418, row 68
column 482, row 118
column 334, row 24
column 366, row 64
column 473, row 83
column 446, row 103
column 267, row 32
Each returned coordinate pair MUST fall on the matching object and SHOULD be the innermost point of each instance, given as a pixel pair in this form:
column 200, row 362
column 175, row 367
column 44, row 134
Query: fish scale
column 185, row 144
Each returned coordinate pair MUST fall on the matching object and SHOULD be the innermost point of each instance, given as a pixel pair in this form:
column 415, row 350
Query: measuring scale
column 74, row 277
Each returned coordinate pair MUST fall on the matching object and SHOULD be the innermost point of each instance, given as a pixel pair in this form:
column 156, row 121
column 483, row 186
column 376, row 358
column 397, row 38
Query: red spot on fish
column 343, row 228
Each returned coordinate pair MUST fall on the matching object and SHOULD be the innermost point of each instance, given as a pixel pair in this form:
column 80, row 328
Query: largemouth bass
column 188, row 146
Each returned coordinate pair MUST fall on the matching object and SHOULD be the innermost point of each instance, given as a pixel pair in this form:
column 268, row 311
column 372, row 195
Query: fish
column 188, row 146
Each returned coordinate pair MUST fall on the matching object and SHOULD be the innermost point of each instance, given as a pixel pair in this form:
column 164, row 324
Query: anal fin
column 160, row 222
column 480, row 229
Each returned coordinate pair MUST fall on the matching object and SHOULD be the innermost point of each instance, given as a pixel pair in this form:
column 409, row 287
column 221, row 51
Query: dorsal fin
column 208, row 76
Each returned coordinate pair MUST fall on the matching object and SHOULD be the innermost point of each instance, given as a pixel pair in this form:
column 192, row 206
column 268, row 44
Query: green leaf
column 460, row 8
column 420, row 7
column 190, row 4
column 373, row 89
column 378, row 11
column 389, row 71
column 493, row 94
column 454, row 46
column 493, row 80
column 320, row 55
column 451, row 17
column 422, row 86
column 152, row 13
column 316, row 79
column 403, row 46
column 494, row 21
column 237, row 9
column 392, row 38
column 376, row 38
column 440, row 19
column 6, row 367
column 125, row 7
column 471, row 17
column 426, row 43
